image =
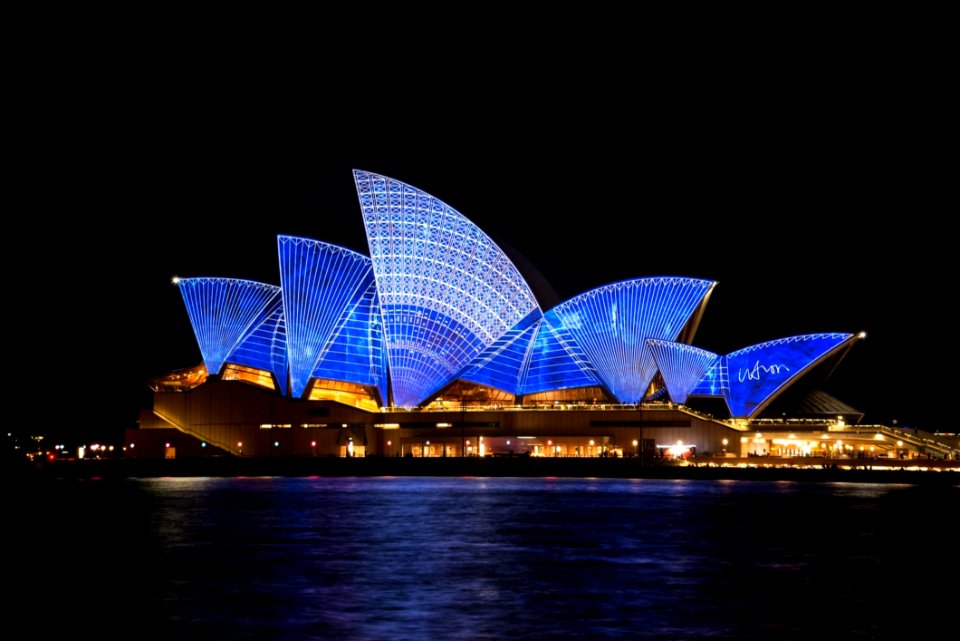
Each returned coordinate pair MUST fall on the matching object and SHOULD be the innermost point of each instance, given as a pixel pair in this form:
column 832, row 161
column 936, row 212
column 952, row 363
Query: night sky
column 817, row 218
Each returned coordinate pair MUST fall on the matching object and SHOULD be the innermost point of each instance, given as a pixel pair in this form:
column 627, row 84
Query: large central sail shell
column 446, row 290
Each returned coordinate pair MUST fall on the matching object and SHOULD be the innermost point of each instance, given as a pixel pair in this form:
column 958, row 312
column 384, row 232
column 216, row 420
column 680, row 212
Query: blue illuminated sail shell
column 357, row 353
column 322, row 285
column 682, row 366
column 760, row 372
column 715, row 382
column 266, row 346
column 556, row 362
column 223, row 311
column 611, row 324
column 501, row 365
column 446, row 290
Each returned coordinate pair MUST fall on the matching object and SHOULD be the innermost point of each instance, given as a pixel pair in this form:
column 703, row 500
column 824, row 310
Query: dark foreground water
column 400, row 559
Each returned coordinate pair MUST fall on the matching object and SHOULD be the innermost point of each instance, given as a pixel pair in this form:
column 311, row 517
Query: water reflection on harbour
column 474, row 558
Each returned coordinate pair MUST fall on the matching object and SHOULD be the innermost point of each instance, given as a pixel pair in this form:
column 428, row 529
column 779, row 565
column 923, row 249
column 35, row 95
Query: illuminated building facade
column 439, row 322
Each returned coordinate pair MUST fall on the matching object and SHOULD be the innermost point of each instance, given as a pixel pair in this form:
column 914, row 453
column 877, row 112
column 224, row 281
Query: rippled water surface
column 408, row 559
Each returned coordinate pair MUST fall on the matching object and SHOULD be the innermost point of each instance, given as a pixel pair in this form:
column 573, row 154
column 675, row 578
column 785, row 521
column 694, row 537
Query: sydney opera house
column 439, row 343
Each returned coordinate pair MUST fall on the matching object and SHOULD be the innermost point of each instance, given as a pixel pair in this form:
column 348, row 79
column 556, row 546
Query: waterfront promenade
column 756, row 468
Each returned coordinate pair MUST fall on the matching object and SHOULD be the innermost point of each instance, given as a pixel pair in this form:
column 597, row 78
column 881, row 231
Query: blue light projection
column 716, row 382
column 446, row 291
column 222, row 312
column 356, row 354
column 682, row 366
column 266, row 346
column 321, row 283
column 439, row 300
column 501, row 365
column 612, row 323
column 759, row 372
column 555, row 362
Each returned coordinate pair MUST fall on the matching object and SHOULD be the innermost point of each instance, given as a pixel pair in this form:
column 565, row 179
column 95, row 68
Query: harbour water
column 415, row 558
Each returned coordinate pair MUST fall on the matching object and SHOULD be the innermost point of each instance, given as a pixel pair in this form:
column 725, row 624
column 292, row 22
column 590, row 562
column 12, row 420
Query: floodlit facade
column 438, row 318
